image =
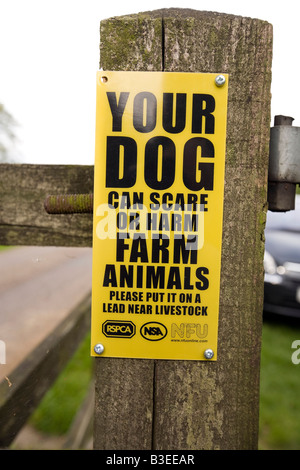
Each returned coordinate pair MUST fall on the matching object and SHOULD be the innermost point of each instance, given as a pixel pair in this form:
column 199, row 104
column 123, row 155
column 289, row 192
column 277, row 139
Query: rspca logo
column 153, row 331
column 118, row 329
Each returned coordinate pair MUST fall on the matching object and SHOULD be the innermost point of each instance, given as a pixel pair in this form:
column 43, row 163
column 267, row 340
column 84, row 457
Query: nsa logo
column 153, row 331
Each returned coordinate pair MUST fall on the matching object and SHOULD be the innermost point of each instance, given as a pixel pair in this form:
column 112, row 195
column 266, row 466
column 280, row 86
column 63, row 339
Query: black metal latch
column 284, row 164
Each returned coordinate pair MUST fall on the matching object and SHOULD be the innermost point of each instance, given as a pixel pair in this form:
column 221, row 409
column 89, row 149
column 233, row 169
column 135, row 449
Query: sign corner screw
column 220, row 80
column 99, row 348
column 208, row 354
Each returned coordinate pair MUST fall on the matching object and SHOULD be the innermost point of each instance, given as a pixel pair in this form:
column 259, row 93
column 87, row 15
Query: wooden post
column 149, row 404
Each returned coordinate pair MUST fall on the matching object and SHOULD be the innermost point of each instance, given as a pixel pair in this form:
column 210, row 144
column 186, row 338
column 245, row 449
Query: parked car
column 282, row 262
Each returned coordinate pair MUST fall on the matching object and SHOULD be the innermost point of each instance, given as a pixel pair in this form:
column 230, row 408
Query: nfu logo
column 188, row 330
column 2, row 352
column 118, row 329
column 153, row 331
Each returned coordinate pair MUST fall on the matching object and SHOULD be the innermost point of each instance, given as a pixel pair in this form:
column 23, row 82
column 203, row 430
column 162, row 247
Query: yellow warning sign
column 158, row 210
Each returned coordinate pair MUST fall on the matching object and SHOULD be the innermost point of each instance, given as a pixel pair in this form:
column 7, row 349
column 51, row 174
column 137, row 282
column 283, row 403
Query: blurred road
column 38, row 288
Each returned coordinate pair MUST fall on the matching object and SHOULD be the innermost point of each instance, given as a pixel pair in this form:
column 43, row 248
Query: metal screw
column 220, row 80
column 208, row 354
column 99, row 348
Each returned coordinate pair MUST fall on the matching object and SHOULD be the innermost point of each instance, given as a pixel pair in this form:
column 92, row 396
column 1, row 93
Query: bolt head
column 99, row 348
column 208, row 354
column 220, row 80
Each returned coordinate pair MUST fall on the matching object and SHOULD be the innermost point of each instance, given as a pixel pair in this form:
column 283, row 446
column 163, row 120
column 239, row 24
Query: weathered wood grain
column 23, row 219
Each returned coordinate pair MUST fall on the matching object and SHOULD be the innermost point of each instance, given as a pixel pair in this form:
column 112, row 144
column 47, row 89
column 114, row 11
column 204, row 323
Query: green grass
column 58, row 407
column 280, row 387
